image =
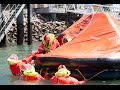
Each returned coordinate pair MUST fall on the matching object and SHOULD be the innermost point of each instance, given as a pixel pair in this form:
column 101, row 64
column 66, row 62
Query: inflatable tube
column 88, row 66
column 93, row 73
column 79, row 62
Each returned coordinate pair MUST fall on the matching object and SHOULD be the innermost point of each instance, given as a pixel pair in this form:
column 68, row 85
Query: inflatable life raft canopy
column 97, row 45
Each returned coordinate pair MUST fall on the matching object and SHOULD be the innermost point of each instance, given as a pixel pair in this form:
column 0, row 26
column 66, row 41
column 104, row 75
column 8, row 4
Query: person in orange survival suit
column 49, row 43
column 63, row 39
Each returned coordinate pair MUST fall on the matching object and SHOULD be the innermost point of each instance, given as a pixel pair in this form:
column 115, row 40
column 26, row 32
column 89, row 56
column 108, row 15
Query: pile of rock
column 39, row 28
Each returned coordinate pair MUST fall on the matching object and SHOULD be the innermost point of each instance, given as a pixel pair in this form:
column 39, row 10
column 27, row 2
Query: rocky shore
column 39, row 28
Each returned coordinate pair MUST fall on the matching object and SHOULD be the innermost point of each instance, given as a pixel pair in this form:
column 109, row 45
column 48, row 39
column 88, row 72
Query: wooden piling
column 29, row 16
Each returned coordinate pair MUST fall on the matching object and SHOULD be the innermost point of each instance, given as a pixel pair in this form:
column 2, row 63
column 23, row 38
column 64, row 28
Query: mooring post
column 3, row 41
column 20, row 29
column 29, row 16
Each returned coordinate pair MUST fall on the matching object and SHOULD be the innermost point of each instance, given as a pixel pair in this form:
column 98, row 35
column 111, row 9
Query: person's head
column 48, row 38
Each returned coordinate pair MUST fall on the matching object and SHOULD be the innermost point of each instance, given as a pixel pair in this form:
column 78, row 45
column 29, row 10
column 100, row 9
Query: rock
column 39, row 28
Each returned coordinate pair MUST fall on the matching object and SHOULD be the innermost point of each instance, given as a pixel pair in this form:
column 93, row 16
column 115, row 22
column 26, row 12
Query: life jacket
column 48, row 43
column 52, row 46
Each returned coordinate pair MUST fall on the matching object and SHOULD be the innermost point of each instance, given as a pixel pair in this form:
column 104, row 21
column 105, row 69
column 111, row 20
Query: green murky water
column 6, row 77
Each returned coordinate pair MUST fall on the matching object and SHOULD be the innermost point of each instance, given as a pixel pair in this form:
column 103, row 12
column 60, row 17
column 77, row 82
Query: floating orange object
column 96, row 45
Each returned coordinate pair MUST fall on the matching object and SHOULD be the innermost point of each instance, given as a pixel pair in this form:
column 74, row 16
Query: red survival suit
column 48, row 43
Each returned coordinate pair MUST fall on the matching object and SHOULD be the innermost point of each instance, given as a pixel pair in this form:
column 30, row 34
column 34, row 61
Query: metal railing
column 85, row 8
column 8, row 18
column 2, row 14
column 9, row 12
column 57, row 8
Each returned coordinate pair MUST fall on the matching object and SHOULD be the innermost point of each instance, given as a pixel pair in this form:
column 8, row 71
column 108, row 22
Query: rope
column 97, row 74
column 46, row 70
column 41, row 70
column 81, row 74
column 92, row 76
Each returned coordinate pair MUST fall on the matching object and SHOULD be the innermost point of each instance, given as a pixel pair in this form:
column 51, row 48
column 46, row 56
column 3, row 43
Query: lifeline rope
column 47, row 71
column 92, row 76
column 81, row 74
column 41, row 70
column 98, row 73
